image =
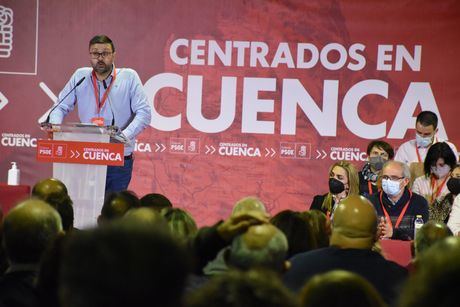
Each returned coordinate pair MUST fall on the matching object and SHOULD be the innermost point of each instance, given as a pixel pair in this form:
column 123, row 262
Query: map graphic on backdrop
column 248, row 97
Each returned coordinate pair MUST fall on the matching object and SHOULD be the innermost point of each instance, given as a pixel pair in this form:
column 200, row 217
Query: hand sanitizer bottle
column 14, row 174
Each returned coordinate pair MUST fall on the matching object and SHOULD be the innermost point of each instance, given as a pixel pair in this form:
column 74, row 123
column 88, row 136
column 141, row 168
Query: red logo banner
column 80, row 152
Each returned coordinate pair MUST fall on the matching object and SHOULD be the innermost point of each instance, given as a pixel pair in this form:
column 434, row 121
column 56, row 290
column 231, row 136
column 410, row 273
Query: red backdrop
column 405, row 60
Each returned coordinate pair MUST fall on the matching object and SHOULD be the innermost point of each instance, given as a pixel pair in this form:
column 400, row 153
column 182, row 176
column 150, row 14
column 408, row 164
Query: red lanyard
column 401, row 215
column 369, row 185
column 100, row 103
column 435, row 194
column 418, row 154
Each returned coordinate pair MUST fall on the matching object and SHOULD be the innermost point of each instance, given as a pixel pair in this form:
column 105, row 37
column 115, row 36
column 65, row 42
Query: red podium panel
column 10, row 195
column 80, row 152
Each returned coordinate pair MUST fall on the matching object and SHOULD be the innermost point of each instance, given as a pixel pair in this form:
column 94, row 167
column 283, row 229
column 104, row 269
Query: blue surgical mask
column 423, row 141
column 391, row 187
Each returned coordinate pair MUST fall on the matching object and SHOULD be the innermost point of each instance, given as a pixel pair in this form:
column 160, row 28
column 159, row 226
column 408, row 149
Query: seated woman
column 343, row 181
column 378, row 152
column 453, row 198
column 439, row 162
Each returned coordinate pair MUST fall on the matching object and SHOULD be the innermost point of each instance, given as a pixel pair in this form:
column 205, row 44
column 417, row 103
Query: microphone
column 59, row 102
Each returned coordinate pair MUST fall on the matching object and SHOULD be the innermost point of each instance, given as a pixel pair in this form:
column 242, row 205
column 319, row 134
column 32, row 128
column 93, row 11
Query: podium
column 80, row 154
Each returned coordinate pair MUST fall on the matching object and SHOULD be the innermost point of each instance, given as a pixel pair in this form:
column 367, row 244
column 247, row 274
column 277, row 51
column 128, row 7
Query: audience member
column 415, row 150
column 429, row 234
column 343, row 181
column 155, row 201
column 210, row 240
column 122, row 264
column 180, row 223
column 28, row 230
column 453, row 185
column 116, row 204
column 145, row 216
column 434, row 281
column 47, row 187
column 340, row 289
column 396, row 205
column 439, row 162
column 378, row 152
column 297, row 229
column 354, row 232
column 243, row 289
column 260, row 247
column 64, row 206
column 321, row 226
column 246, row 204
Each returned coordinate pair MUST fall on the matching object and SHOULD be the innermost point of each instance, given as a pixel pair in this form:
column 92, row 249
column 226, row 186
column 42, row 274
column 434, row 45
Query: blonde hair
column 353, row 182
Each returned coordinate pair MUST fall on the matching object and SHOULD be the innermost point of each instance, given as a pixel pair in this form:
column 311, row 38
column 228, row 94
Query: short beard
column 102, row 70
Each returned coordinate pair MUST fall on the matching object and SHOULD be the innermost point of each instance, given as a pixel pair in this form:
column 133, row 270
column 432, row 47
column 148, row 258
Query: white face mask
column 440, row 171
column 423, row 141
column 390, row 187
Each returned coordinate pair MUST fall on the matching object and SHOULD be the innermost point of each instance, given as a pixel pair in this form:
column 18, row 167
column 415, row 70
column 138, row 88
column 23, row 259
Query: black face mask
column 453, row 184
column 336, row 186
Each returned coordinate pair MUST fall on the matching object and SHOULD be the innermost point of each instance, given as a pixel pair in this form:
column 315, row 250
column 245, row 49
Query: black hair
column 427, row 118
column 436, row 151
column 102, row 39
column 381, row 145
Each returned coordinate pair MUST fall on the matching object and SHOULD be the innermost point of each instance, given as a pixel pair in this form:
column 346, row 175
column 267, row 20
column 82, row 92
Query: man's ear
column 287, row 265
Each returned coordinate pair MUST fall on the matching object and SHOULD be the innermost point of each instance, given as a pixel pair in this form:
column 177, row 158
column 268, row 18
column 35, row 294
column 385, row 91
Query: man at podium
column 107, row 96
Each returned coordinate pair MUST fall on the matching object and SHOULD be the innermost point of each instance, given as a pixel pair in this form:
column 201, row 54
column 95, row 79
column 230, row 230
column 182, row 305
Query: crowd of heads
column 141, row 254
column 149, row 251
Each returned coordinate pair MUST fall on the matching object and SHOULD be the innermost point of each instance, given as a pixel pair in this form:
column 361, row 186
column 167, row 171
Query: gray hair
column 403, row 166
column 271, row 256
column 250, row 203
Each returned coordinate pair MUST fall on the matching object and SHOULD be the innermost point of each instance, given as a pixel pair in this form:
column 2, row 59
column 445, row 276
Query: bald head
column 354, row 224
column 248, row 204
column 429, row 234
column 47, row 187
column 260, row 246
column 145, row 216
column 28, row 230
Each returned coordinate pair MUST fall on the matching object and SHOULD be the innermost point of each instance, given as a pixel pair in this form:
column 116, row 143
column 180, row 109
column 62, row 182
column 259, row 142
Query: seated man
column 123, row 263
column 396, row 205
column 354, row 232
column 28, row 230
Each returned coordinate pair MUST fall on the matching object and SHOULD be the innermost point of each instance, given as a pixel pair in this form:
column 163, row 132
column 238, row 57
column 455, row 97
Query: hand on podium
column 120, row 137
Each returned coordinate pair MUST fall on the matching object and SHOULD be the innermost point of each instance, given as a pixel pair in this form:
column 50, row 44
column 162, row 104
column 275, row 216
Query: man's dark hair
column 116, row 204
column 237, row 288
column 122, row 264
column 156, row 201
column 429, row 234
column 427, row 118
column 381, row 145
column 64, row 206
column 339, row 288
column 102, row 39
column 436, row 151
column 297, row 229
column 438, row 269
column 47, row 187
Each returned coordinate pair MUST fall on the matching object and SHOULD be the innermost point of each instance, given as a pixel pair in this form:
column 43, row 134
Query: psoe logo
column 6, row 31
column 18, row 140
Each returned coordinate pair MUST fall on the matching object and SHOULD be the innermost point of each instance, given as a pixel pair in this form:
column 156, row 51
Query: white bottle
column 13, row 174
column 417, row 224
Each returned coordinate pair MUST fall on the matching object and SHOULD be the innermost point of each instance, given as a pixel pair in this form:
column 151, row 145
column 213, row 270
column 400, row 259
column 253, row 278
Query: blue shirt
column 126, row 104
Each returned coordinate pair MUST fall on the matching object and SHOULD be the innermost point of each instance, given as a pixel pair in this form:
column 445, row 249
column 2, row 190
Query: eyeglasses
column 394, row 178
column 96, row 55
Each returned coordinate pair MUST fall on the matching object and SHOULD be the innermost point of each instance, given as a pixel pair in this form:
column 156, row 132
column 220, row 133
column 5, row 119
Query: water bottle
column 14, row 174
column 417, row 224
